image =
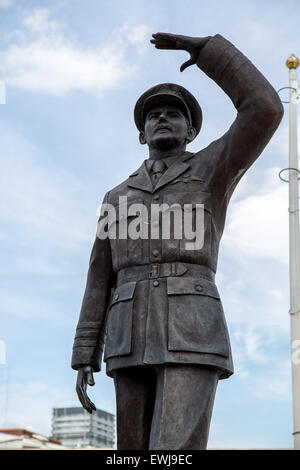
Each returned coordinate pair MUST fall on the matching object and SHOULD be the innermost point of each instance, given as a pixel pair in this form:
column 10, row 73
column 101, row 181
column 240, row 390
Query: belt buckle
column 154, row 273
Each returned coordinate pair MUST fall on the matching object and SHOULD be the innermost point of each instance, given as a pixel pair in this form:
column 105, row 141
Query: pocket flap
column 124, row 207
column 188, row 207
column 191, row 285
column 124, row 292
column 188, row 201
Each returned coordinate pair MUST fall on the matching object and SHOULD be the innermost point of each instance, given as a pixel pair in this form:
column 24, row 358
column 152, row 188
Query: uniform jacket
column 158, row 301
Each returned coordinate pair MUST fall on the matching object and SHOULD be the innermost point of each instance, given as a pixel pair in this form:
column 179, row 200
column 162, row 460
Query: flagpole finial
column 292, row 62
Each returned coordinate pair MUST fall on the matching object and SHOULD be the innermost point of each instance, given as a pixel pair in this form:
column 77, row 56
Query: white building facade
column 75, row 427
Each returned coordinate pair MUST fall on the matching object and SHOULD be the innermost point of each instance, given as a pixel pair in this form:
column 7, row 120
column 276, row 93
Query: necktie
column 157, row 170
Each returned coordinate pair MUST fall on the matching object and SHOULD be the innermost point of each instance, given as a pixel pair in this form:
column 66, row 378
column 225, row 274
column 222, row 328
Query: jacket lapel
column 178, row 167
column 141, row 179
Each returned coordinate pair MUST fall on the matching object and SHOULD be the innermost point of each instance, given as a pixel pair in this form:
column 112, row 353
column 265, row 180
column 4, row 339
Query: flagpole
column 294, row 245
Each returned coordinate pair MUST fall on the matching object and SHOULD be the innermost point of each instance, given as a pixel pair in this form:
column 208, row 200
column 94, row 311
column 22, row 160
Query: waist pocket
column 196, row 321
column 119, row 323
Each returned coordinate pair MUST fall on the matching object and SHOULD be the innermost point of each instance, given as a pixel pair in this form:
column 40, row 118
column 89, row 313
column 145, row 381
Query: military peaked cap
column 169, row 93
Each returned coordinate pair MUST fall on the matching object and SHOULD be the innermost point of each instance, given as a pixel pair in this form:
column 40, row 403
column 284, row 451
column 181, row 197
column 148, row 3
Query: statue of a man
column 153, row 298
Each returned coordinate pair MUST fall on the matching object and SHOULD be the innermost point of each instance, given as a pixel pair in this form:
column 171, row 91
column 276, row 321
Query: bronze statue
column 154, row 300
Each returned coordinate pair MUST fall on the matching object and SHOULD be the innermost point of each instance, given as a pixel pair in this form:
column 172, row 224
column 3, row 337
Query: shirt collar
column 168, row 161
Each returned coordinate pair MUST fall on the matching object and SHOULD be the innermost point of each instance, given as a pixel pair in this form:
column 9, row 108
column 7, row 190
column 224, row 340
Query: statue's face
column 166, row 127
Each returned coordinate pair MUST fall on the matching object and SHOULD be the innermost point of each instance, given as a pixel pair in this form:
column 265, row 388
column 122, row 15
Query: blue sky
column 73, row 72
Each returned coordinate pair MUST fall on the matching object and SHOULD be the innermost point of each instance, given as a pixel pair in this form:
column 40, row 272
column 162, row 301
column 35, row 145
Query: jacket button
column 198, row 288
column 155, row 253
column 116, row 296
column 155, row 283
column 156, row 197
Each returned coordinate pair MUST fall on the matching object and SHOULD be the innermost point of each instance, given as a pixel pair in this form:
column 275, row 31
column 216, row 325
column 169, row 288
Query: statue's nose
column 162, row 117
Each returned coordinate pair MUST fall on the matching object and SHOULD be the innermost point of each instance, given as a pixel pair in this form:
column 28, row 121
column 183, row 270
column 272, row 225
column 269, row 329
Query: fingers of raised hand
column 164, row 41
column 165, row 36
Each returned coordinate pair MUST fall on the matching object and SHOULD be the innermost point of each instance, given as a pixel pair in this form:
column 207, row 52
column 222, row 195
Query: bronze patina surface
column 151, row 301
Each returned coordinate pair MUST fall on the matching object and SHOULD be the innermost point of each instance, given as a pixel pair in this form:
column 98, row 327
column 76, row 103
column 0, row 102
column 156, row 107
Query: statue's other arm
column 90, row 333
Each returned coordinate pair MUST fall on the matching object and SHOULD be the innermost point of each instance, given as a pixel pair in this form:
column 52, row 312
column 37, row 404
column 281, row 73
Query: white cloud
column 39, row 22
column 29, row 405
column 40, row 199
column 258, row 224
column 138, row 36
column 262, row 305
column 279, row 144
column 275, row 384
column 44, row 58
column 5, row 3
column 253, row 344
column 19, row 306
column 50, row 66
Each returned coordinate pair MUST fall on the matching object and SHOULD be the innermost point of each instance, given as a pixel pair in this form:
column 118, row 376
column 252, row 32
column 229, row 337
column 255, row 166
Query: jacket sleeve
column 90, row 333
column 259, row 111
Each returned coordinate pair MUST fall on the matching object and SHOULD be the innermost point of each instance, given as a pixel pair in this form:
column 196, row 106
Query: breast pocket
column 196, row 320
column 190, row 216
column 119, row 323
column 127, row 233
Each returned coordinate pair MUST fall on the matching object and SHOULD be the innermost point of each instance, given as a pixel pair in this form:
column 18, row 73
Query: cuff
column 220, row 60
column 88, row 345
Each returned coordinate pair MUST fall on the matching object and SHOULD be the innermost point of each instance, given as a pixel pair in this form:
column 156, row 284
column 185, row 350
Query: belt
column 158, row 270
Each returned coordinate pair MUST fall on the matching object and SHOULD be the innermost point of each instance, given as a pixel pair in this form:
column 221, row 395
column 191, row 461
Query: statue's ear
column 142, row 138
column 191, row 134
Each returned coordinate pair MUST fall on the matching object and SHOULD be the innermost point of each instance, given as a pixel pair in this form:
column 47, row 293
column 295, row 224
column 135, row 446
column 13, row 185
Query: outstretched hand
column 176, row 41
column 85, row 377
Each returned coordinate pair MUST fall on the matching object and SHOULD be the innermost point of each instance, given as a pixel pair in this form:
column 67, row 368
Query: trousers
column 167, row 407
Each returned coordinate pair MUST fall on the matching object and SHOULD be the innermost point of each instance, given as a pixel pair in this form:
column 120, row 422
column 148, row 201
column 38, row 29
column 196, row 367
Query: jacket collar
column 140, row 179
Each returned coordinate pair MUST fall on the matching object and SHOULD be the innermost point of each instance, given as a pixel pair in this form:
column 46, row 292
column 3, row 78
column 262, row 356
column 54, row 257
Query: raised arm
column 257, row 103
